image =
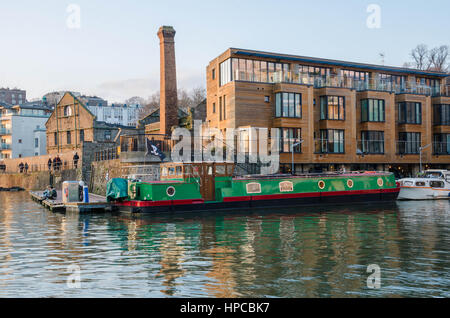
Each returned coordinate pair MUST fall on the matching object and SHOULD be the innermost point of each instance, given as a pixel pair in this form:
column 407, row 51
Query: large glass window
column 441, row 144
column 410, row 113
column 332, row 141
column 259, row 71
column 332, row 108
column 288, row 105
column 372, row 110
column 409, row 143
column 441, row 114
column 289, row 137
column 225, row 72
column 372, row 142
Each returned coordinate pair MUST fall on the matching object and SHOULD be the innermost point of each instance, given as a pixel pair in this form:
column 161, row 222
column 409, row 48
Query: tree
column 420, row 57
column 435, row 59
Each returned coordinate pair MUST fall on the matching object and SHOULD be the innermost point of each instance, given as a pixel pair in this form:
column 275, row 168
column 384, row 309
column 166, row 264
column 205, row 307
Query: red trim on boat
column 144, row 204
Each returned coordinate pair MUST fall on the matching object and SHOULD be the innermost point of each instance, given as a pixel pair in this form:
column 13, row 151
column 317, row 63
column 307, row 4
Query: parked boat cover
column 117, row 190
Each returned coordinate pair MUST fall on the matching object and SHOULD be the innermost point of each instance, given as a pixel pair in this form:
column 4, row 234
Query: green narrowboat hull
column 259, row 191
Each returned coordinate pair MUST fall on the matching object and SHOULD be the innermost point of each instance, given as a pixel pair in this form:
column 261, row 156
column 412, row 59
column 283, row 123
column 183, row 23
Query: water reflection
column 305, row 252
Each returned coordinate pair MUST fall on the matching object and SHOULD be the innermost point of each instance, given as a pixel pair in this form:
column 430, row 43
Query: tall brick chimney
column 168, row 95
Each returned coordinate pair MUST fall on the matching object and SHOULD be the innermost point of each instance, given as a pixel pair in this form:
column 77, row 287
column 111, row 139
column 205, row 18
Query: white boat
column 432, row 185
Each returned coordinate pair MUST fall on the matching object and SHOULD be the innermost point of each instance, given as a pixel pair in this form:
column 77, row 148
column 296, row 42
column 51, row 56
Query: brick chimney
column 168, row 105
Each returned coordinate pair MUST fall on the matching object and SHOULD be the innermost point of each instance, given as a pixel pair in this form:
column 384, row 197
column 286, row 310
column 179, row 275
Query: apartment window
column 225, row 72
column 81, row 135
column 259, row 71
column 69, row 138
column 372, row 142
column 441, row 114
column 107, row 135
column 214, row 108
column 220, row 108
column 288, row 105
column 372, row 110
column 332, row 141
column 410, row 113
column 55, row 139
column 213, row 74
column 289, row 137
column 36, row 142
column 266, row 99
column 332, row 108
column 224, row 107
column 20, row 141
column 441, row 144
column 409, row 142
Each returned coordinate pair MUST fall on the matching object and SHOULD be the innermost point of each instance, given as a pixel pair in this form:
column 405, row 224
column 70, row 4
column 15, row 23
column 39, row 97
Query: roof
column 328, row 62
column 5, row 105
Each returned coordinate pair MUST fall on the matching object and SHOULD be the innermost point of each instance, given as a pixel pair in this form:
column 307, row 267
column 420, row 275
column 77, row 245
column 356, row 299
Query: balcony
column 370, row 147
column 441, row 148
column 4, row 146
column 5, row 131
column 408, row 148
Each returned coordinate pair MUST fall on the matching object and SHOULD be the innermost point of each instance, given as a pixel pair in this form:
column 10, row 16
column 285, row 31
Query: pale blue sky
column 115, row 53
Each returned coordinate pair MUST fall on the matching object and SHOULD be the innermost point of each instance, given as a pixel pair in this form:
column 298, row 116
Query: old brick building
column 72, row 124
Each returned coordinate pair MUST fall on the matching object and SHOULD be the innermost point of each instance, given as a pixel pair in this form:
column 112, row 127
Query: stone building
column 13, row 96
column 72, row 124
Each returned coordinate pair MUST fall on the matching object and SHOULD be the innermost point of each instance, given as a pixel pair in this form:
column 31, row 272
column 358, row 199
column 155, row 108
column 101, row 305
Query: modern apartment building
column 22, row 130
column 13, row 96
column 348, row 115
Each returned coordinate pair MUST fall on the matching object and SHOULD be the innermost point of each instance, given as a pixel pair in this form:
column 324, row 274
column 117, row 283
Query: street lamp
column 292, row 152
column 422, row 149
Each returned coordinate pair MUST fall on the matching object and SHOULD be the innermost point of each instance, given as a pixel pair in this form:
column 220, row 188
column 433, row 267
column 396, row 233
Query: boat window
column 447, row 178
column 164, row 171
column 221, row 170
column 420, row 184
column 210, row 171
column 171, row 171
column 436, row 184
column 286, row 186
column 433, row 175
column 253, row 188
column 179, row 170
column 408, row 183
column 187, row 169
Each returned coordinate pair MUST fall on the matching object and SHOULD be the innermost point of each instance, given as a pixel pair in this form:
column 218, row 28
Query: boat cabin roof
column 174, row 170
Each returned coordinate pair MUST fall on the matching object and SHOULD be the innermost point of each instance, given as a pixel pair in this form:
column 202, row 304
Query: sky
column 113, row 51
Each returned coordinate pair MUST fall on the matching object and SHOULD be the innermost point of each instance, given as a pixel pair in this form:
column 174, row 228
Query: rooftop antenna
column 382, row 56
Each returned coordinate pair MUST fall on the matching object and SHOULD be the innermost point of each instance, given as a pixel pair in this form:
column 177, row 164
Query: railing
column 370, row 147
column 5, row 146
column 139, row 143
column 107, row 154
column 408, row 147
column 5, row 131
column 326, row 146
column 53, row 168
column 339, row 81
column 441, row 148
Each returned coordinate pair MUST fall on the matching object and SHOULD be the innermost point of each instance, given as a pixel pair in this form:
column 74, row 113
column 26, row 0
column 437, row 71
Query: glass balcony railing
column 5, row 146
column 370, row 147
column 441, row 148
column 408, row 147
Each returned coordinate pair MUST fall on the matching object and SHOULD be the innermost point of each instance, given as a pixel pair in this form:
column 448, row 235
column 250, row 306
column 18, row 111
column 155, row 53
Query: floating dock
column 97, row 203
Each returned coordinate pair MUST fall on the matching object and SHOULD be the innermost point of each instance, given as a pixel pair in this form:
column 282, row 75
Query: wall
column 36, row 180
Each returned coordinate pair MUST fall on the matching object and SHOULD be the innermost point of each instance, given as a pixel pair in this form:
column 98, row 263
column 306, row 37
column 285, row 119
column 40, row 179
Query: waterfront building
column 72, row 124
column 349, row 115
column 13, row 96
column 121, row 114
column 22, row 130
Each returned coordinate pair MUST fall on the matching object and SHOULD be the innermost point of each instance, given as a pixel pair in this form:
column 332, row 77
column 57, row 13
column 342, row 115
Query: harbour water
column 302, row 252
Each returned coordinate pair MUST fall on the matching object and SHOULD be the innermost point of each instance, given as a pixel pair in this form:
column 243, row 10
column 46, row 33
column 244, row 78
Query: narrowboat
column 432, row 185
column 213, row 186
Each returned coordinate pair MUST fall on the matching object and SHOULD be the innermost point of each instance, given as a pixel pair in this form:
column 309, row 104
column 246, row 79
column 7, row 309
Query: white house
column 122, row 114
column 22, row 130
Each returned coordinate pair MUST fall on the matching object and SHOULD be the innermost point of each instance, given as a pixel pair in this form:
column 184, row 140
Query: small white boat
column 432, row 185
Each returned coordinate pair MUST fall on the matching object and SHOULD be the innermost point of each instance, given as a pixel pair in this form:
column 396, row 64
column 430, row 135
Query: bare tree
column 420, row 57
column 150, row 106
column 438, row 58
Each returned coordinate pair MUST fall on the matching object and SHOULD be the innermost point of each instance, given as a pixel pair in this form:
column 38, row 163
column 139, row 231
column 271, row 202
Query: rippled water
column 304, row 252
